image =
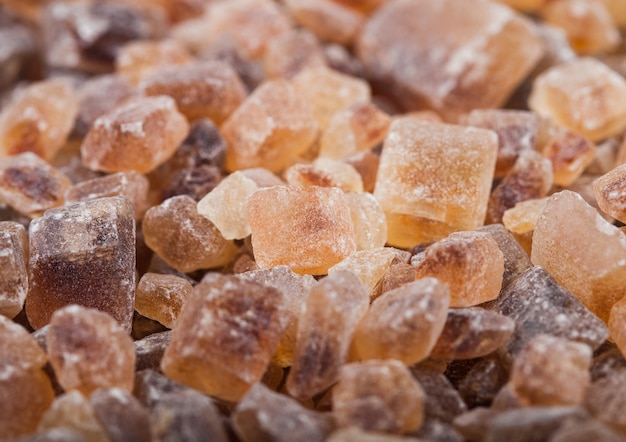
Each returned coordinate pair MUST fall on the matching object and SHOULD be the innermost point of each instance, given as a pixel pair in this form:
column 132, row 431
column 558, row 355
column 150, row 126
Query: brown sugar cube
column 291, row 53
column 598, row 276
column 186, row 240
column 38, row 119
column 551, row 371
column 137, row 59
column 471, row 263
column 83, row 254
column 570, row 154
column 208, row 89
column 160, row 297
column 404, row 323
column 378, row 396
column 24, row 387
column 270, row 129
column 331, row 313
column 583, row 95
column 90, row 350
column 13, row 268
column 452, row 189
column 308, row 229
column 409, row 49
column 138, row 135
column 368, row 218
column 610, row 192
column 242, row 323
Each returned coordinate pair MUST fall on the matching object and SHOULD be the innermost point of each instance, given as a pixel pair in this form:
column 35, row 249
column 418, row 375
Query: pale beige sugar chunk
column 588, row 24
column 73, row 411
column 203, row 89
column 160, row 297
column 13, row 268
column 38, row 119
column 226, row 205
column 331, row 313
column 434, row 179
column 471, row 263
column 88, row 350
column 140, row 134
column 329, row 92
column 370, row 266
column 325, row 172
column 292, row 52
column 583, row 95
column 137, row 59
column 570, row 154
column 368, row 218
column 186, row 240
column 408, row 49
column 551, row 371
column 596, row 275
column 308, row 229
column 366, row 163
column 83, row 254
column 330, row 21
column 132, row 185
column 378, row 396
column 523, row 216
column 225, row 336
column 263, row 177
column 610, row 192
column 404, row 323
column 271, row 128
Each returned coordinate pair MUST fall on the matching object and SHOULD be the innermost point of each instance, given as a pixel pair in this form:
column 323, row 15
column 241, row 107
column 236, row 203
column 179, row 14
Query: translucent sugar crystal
column 404, row 323
column 160, row 297
column 185, row 239
column 570, row 154
column 89, row 350
column 329, row 20
column 521, row 220
column 451, row 190
column 121, row 415
column 209, row 89
column 308, row 229
column 407, row 46
column 471, row 263
column 331, row 313
column 24, row 387
column 132, row 185
column 320, row 86
column 83, row 254
column 264, row 414
column 442, row 401
column 583, row 95
column 226, row 205
column 366, row 163
column 263, row 177
column 378, row 396
column 529, row 178
column 13, row 268
column 605, row 400
column 598, row 276
column 38, row 119
column 270, row 129
column 371, row 265
column 150, row 350
column 616, row 323
column 295, row 288
column 138, row 135
column 517, row 132
column 471, row 333
column 241, row 326
column 291, row 53
column 397, row 275
column 482, row 382
column 538, row 305
column 360, row 127
column 610, row 192
column 325, row 172
column 137, row 59
column 370, row 225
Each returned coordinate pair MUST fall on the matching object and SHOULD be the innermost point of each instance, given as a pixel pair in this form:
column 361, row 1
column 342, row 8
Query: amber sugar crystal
column 160, row 297
column 610, row 192
column 13, row 268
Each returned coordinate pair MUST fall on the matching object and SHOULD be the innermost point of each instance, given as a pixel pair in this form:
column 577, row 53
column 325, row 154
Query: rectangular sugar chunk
column 434, row 179
column 13, row 268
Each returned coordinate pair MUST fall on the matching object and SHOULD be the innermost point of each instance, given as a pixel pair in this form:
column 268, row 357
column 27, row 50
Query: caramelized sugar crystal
column 241, row 325
column 404, row 323
column 610, row 192
column 83, row 254
column 434, row 179
column 271, row 128
column 160, row 297
column 308, row 229
column 38, row 119
column 13, row 268
column 523, row 216
column 290, row 53
column 186, row 240
column 139, row 135
column 89, row 350
column 570, row 154
column 409, row 49
column 378, row 396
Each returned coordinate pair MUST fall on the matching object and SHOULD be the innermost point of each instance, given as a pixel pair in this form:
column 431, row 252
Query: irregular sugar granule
column 160, row 297
column 521, row 219
column 570, row 154
column 226, row 335
column 308, row 229
column 13, row 268
column 610, row 192
column 290, row 53
column 451, row 190
column 121, row 415
column 88, row 350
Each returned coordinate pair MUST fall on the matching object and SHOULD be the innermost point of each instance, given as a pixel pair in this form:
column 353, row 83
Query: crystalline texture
column 13, row 268
column 610, row 192
column 160, row 297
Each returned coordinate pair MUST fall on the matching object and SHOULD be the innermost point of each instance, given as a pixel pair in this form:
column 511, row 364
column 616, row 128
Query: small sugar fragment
column 160, row 297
